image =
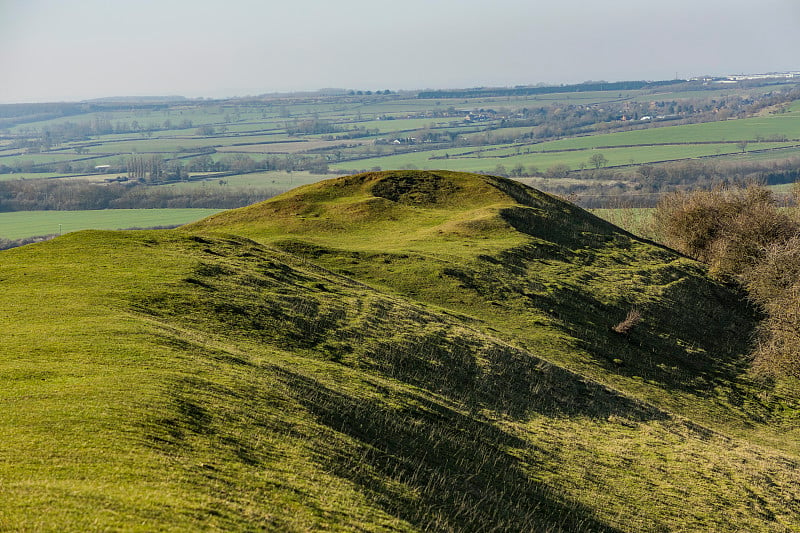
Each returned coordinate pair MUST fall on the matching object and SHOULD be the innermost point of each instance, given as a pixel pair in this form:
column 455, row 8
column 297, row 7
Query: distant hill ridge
column 484, row 92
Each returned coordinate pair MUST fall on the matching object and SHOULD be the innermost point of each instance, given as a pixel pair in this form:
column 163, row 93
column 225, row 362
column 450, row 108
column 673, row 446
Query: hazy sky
column 79, row 49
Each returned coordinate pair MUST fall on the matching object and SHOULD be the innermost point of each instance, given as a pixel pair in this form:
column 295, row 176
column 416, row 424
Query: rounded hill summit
column 410, row 206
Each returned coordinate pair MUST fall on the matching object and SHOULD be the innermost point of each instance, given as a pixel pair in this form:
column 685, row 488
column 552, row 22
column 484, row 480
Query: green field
column 730, row 130
column 169, row 145
column 677, row 138
column 637, row 220
column 23, row 224
column 575, row 160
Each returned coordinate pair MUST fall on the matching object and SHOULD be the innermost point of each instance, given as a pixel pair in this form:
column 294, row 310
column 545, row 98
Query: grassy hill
column 388, row 351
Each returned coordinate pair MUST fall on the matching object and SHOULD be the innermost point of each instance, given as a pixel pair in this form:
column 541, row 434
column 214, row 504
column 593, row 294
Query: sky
column 69, row 50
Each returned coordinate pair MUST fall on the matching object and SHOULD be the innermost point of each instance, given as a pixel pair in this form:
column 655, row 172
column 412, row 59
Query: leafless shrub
column 742, row 236
column 633, row 317
column 774, row 285
column 728, row 228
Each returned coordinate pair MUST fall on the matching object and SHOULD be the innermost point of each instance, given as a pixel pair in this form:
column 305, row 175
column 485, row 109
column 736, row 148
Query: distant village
column 733, row 78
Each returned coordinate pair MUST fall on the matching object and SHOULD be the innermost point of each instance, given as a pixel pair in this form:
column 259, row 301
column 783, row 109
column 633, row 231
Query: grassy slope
column 514, row 249
column 435, row 357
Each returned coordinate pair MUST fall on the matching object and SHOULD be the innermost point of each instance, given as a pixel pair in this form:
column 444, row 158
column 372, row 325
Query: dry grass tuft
column 633, row 317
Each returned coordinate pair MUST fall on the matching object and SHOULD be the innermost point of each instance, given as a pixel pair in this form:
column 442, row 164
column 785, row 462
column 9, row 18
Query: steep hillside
column 390, row 351
column 524, row 265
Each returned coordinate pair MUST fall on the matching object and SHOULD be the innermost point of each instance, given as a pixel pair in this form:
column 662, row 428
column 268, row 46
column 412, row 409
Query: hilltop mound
column 403, row 208
column 513, row 257
column 413, row 351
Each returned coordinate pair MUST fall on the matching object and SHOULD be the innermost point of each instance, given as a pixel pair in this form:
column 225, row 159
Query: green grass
column 637, row 220
column 720, row 92
column 23, row 224
column 788, row 153
column 705, row 148
column 785, row 188
column 519, row 102
column 401, row 351
column 404, row 125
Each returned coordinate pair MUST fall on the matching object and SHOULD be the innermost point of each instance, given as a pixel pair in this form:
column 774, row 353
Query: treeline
column 743, row 237
column 645, row 186
column 311, row 127
column 242, row 163
column 702, row 174
column 42, row 195
column 484, row 92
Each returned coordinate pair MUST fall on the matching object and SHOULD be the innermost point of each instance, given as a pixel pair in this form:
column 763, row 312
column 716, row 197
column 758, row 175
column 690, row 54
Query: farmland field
column 278, row 180
column 258, row 136
column 538, row 136
column 639, row 221
column 574, row 159
column 729, row 130
column 20, row 225
column 288, row 146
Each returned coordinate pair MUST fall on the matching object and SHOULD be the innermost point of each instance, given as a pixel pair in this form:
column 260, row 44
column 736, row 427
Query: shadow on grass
column 487, row 374
column 694, row 336
column 436, row 468
column 693, row 339
column 263, row 299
